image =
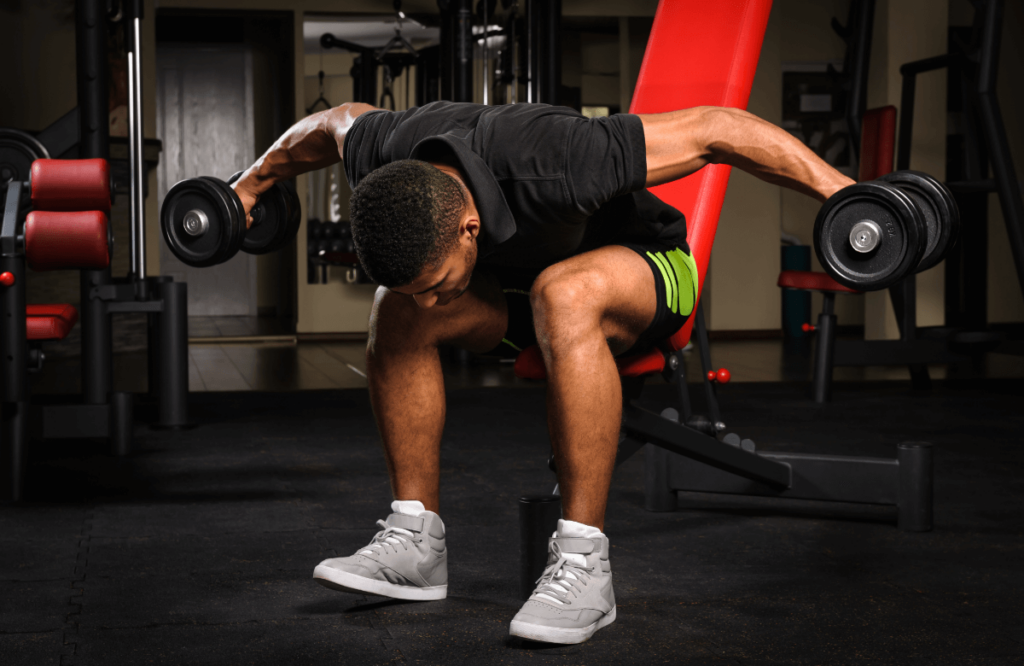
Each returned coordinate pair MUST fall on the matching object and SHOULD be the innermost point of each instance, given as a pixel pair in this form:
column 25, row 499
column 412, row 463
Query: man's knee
column 565, row 302
column 394, row 319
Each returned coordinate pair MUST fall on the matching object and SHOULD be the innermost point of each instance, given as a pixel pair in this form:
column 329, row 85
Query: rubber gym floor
column 199, row 548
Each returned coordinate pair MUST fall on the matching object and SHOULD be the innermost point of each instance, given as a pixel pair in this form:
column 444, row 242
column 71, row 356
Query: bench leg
column 914, row 513
column 823, row 351
column 13, row 445
column 121, row 420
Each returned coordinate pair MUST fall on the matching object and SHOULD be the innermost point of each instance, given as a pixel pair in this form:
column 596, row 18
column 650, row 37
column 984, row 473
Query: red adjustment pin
column 807, row 328
column 6, row 278
column 722, row 376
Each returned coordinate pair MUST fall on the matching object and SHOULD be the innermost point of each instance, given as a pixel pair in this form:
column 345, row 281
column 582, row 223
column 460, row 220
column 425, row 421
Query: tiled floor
column 323, row 365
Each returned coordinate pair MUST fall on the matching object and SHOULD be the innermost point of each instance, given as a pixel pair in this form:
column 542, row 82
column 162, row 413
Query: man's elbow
column 720, row 128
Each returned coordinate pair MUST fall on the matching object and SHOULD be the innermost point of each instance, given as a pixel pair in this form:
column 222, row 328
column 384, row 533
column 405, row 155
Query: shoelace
column 562, row 577
column 388, row 537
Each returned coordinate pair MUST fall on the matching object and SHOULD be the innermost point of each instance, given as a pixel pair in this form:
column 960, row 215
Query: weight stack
column 538, row 520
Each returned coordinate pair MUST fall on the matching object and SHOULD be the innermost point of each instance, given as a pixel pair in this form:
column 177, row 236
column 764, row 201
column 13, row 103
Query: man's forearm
column 313, row 143
column 681, row 142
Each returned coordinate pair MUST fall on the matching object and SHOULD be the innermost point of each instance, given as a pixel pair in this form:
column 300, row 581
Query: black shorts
column 675, row 283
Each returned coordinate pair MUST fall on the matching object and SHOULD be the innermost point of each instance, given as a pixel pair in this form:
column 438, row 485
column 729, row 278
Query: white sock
column 407, row 507
column 572, row 529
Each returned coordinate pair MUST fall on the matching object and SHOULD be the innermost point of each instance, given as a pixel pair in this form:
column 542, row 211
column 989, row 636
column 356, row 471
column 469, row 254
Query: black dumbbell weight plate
column 234, row 244
column 272, row 220
column 938, row 210
column 200, row 222
column 890, row 250
column 17, row 152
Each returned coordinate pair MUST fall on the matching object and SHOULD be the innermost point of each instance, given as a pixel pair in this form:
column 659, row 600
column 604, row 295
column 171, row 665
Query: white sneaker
column 407, row 559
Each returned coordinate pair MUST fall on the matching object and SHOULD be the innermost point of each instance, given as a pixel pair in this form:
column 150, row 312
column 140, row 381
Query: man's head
column 415, row 229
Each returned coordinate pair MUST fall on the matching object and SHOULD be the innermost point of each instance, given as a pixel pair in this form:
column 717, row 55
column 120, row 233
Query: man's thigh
column 475, row 321
column 638, row 293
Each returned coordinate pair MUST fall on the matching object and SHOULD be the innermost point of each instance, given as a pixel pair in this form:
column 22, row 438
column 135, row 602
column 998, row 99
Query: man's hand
column 248, row 194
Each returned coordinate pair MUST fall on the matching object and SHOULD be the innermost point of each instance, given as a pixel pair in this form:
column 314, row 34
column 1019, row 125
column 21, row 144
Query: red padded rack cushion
column 811, row 281
column 55, row 241
column 530, row 364
column 877, row 143
column 71, row 185
column 700, row 53
column 50, row 322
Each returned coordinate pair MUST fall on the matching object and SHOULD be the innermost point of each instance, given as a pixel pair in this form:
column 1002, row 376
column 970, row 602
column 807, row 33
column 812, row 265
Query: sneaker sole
column 560, row 635
column 342, row 581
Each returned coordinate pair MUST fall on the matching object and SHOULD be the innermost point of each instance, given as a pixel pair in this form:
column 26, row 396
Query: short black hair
column 405, row 217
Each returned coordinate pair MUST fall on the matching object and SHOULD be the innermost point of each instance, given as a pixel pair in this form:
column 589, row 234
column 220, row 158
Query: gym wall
column 38, row 39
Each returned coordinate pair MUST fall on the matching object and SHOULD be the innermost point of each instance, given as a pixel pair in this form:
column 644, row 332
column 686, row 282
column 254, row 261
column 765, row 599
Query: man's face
column 442, row 284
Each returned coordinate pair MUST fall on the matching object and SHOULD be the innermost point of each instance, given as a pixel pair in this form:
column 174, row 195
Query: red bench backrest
column 877, row 143
column 700, row 53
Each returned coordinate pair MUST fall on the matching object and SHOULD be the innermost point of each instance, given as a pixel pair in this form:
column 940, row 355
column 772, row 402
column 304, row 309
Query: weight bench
column 66, row 228
column 700, row 54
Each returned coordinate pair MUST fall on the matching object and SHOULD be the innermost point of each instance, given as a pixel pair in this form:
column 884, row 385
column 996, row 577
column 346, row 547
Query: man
column 492, row 228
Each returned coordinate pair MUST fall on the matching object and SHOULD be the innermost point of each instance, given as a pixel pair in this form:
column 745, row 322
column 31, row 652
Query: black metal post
column 1008, row 186
column 173, row 355
column 538, row 520
column 705, row 362
column 860, row 28
column 550, row 67
column 14, row 388
column 915, row 496
column 121, row 419
column 94, row 141
column 462, row 83
column 824, row 350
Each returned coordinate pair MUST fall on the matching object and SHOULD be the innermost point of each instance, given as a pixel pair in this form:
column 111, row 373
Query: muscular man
column 493, row 228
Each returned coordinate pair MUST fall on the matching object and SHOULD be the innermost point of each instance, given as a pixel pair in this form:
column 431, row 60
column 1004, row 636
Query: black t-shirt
column 548, row 183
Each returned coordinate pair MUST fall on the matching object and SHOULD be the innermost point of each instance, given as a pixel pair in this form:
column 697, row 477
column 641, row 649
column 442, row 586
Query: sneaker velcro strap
column 569, row 545
column 411, row 523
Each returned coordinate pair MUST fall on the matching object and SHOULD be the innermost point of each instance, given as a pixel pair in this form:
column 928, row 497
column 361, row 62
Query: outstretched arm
column 681, row 142
column 314, row 142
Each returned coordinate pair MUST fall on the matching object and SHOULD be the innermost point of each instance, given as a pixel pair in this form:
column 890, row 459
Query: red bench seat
column 530, row 364
column 812, row 281
column 50, row 322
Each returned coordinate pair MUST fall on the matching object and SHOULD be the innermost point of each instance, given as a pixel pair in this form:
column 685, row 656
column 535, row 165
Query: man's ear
column 469, row 227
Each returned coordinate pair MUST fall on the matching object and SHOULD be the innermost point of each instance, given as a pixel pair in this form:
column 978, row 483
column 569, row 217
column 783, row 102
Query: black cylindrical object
column 153, row 339
column 97, row 339
column 915, row 497
column 173, row 355
column 14, row 353
column 538, row 520
column 121, row 419
column 551, row 50
column 823, row 352
column 94, row 141
column 91, row 61
column 13, row 440
column 462, row 84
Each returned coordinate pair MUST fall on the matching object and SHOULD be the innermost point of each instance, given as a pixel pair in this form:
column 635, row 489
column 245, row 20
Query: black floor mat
column 199, row 548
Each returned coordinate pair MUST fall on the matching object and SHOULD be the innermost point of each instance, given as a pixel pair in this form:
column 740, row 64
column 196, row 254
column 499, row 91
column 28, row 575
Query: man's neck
column 457, row 175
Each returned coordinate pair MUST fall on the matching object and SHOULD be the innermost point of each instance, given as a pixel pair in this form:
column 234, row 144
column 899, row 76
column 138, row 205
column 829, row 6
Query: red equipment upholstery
column 66, row 240
column 50, row 322
column 877, row 143
column 812, row 281
column 530, row 364
column 699, row 53
column 71, row 185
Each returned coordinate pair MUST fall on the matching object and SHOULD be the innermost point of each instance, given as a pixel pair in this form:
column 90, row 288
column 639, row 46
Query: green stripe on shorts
column 679, row 271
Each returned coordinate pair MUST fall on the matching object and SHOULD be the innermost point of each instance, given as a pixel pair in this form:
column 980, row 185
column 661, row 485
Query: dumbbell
column 203, row 220
column 871, row 235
